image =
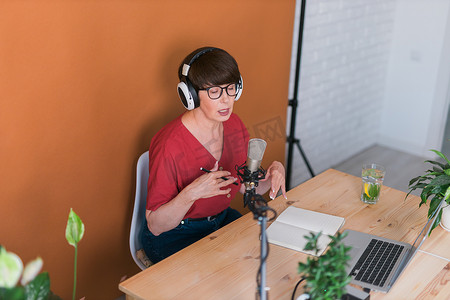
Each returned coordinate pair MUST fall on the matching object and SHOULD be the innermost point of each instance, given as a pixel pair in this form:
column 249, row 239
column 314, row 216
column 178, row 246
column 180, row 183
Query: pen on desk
column 223, row 177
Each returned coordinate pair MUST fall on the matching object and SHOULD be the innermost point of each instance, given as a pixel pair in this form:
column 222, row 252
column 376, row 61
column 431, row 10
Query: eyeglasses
column 215, row 92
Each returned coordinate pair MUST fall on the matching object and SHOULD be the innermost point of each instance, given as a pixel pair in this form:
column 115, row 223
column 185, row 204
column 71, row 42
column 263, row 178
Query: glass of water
column 372, row 180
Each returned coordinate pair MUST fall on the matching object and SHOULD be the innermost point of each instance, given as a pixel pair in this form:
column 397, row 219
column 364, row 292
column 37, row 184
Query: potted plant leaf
column 74, row 234
column 434, row 186
column 326, row 276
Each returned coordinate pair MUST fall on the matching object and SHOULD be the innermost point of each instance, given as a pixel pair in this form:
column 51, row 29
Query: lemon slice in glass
column 366, row 189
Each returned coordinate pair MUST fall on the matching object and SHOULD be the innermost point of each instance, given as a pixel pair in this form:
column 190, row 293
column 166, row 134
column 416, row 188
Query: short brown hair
column 215, row 67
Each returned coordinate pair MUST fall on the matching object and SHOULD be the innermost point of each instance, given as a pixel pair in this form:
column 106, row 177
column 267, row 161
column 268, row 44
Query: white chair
column 137, row 221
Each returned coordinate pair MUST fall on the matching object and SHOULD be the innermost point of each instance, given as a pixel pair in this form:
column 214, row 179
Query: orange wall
column 84, row 85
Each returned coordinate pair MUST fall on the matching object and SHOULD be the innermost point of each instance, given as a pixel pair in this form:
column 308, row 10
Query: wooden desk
column 224, row 264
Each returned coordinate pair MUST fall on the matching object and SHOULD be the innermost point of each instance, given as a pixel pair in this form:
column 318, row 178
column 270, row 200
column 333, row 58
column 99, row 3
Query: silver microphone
column 251, row 172
column 256, row 148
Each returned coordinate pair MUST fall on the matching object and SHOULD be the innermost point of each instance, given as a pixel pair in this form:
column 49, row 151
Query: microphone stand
column 255, row 203
column 258, row 206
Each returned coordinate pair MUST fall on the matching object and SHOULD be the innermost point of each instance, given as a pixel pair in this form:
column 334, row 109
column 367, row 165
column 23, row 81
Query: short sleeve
column 162, row 183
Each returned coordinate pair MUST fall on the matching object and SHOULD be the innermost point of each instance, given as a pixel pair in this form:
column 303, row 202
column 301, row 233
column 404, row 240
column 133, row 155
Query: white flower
column 11, row 267
column 31, row 270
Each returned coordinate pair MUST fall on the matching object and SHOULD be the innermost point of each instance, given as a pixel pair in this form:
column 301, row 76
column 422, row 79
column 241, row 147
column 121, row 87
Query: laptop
column 377, row 262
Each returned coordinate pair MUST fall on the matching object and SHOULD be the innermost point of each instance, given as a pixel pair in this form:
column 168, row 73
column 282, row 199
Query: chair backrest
column 140, row 201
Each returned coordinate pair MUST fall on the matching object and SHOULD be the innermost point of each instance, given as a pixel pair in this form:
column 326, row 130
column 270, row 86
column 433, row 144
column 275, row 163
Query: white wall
column 417, row 80
column 346, row 47
column 372, row 72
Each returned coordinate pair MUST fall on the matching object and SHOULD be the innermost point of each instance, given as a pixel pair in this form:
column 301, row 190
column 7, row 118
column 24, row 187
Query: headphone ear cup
column 240, row 88
column 193, row 92
column 185, row 96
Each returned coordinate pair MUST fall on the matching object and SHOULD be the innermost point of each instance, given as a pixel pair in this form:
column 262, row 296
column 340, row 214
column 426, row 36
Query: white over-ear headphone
column 186, row 91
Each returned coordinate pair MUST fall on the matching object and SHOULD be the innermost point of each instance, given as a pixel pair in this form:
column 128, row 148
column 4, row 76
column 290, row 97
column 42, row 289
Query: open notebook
column 289, row 229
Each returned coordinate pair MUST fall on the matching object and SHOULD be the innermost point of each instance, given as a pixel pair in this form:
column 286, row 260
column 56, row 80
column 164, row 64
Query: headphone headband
column 186, row 91
column 186, row 67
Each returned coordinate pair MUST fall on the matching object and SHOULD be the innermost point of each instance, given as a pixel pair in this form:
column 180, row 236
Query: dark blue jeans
column 188, row 232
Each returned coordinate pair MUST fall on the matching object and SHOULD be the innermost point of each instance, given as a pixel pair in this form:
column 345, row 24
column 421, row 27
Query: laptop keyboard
column 376, row 263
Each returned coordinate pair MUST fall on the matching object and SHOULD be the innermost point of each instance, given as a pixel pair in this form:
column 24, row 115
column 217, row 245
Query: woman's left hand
column 276, row 174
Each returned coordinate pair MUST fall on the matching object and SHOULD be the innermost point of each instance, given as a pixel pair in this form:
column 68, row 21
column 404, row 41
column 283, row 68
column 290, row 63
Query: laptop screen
column 421, row 238
column 426, row 229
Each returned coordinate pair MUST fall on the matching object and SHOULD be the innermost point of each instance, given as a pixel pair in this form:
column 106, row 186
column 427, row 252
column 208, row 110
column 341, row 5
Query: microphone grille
column 256, row 148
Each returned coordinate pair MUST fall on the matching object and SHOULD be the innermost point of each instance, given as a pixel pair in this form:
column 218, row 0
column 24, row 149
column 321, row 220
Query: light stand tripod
column 294, row 103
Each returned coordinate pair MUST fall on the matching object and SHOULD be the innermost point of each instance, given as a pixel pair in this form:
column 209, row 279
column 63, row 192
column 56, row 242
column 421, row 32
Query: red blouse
column 175, row 160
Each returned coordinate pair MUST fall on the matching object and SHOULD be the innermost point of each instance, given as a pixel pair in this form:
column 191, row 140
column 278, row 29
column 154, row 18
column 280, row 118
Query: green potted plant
column 434, row 186
column 326, row 276
column 18, row 283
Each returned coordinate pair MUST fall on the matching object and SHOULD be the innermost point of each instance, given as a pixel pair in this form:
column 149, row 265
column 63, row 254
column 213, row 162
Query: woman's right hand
column 170, row 214
column 209, row 184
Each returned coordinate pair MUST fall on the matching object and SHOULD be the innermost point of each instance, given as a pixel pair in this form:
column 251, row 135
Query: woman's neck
column 207, row 132
column 199, row 123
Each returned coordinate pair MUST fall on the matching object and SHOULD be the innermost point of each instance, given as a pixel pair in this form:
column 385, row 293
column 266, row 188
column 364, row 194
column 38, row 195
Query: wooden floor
column 400, row 167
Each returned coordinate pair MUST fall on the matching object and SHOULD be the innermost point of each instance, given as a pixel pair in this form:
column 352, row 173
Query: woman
column 185, row 203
